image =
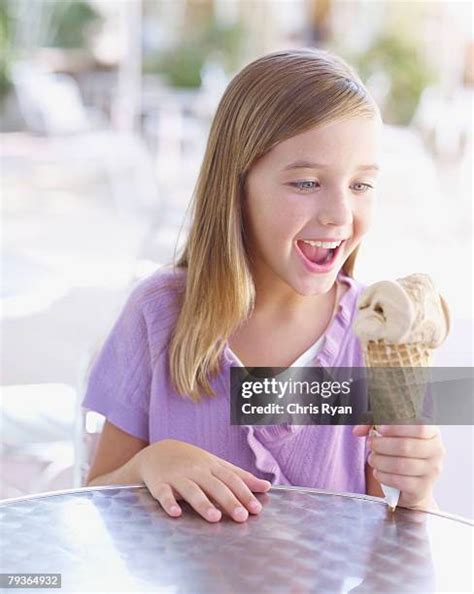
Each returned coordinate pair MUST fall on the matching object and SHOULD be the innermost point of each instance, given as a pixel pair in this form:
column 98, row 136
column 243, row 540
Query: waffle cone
column 398, row 376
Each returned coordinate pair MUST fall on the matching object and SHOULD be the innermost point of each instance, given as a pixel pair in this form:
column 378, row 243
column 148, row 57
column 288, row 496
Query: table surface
column 118, row 539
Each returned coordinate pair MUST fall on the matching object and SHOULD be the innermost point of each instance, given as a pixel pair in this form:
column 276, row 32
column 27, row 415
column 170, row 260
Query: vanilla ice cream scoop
column 384, row 313
column 408, row 310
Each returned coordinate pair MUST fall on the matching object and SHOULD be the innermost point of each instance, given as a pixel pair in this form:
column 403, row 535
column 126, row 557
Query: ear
column 447, row 315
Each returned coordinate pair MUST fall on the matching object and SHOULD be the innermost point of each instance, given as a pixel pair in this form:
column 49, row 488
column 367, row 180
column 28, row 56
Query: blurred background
column 105, row 106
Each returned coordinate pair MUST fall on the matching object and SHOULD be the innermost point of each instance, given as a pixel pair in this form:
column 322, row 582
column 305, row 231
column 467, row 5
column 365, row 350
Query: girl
column 284, row 197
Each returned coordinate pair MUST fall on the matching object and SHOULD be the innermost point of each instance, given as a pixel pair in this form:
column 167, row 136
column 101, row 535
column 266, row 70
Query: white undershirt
column 302, row 361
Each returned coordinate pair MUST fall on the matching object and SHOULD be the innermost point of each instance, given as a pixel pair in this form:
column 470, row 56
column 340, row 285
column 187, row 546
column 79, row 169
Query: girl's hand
column 173, row 469
column 407, row 457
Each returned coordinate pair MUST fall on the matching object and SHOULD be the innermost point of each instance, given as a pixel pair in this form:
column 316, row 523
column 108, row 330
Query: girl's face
column 316, row 186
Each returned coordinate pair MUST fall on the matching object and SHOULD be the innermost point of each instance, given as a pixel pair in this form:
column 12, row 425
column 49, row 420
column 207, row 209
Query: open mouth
column 317, row 257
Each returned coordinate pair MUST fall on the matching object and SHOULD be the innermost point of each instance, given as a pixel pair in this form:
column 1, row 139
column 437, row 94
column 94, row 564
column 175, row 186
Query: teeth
column 325, row 244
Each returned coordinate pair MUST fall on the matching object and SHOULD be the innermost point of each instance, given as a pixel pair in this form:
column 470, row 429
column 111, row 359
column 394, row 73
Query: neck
column 278, row 300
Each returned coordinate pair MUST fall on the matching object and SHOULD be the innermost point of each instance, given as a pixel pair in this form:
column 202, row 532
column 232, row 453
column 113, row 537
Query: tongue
column 318, row 255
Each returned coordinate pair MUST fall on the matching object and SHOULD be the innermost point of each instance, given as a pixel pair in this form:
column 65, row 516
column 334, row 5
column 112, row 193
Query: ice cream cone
column 399, row 325
column 397, row 379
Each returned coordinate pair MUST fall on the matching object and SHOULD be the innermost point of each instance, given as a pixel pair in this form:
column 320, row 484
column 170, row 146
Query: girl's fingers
column 415, row 431
column 253, row 482
column 366, row 421
column 237, row 485
column 404, row 446
column 397, row 465
column 361, row 430
column 408, row 485
column 222, row 495
column 163, row 493
column 195, row 496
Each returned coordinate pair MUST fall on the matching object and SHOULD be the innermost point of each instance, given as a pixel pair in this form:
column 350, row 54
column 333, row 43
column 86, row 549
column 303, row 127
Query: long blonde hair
column 272, row 99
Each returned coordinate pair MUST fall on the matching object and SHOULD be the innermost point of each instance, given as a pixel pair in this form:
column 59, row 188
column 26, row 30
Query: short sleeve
column 120, row 377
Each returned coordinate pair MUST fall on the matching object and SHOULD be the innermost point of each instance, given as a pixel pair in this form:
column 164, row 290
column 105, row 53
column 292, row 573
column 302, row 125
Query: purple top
column 129, row 384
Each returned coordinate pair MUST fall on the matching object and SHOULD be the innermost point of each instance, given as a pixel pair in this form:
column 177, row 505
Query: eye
column 303, row 185
column 308, row 185
column 365, row 187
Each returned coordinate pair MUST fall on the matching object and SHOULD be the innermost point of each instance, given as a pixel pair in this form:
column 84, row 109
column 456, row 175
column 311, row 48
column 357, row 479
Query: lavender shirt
column 129, row 384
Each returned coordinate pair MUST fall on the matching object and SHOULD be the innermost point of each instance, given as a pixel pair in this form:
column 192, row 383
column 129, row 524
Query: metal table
column 118, row 539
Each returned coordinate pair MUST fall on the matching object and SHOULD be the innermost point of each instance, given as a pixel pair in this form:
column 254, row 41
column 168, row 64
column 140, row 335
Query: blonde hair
column 272, row 99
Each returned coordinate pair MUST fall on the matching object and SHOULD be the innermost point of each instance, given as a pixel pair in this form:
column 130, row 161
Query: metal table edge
column 369, row 498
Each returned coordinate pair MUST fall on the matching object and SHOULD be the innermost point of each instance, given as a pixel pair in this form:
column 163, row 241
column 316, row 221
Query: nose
column 335, row 209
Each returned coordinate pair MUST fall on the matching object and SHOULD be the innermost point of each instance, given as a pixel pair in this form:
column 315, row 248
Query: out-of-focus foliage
column 400, row 60
column 71, row 23
column 182, row 64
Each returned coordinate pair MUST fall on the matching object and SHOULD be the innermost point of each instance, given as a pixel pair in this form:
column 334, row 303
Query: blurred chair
column 88, row 424
column 445, row 120
column 48, row 439
column 36, row 451
column 51, row 105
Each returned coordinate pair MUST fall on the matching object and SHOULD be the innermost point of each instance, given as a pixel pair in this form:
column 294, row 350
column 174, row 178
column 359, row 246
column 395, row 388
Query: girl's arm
column 113, row 458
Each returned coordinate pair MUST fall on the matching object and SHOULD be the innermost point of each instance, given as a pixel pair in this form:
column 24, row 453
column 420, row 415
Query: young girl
column 284, row 197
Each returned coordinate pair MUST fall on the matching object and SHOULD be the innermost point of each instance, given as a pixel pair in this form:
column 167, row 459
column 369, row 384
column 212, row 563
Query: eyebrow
column 310, row 165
